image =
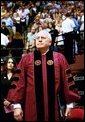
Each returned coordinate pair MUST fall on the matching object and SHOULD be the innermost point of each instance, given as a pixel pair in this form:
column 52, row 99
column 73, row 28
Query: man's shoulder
column 26, row 55
column 27, row 58
column 60, row 58
column 58, row 54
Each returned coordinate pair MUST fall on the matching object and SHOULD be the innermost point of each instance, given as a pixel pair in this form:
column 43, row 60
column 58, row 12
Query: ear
column 50, row 43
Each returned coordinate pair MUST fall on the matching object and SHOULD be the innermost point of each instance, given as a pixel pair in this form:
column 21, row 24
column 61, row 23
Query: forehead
column 32, row 28
column 43, row 34
column 10, row 59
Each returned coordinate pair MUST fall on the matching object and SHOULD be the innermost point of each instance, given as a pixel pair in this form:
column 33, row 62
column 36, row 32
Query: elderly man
column 42, row 78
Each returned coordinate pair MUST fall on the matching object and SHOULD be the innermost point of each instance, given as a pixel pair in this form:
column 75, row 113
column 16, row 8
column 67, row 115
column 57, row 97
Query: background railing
column 80, row 43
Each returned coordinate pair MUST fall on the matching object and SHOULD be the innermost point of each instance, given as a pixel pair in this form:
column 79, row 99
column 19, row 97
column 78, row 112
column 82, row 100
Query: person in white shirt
column 68, row 29
column 68, row 24
column 4, row 42
column 4, row 39
column 30, row 44
column 23, row 19
column 16, row 18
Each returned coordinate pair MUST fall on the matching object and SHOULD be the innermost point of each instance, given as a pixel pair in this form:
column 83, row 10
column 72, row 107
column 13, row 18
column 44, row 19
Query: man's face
column 33, row 30
column 42, row 42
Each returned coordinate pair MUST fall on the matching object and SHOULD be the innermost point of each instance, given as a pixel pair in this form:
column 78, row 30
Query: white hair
column 45, row 34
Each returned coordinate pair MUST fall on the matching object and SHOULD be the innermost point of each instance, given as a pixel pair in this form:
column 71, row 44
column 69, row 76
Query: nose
column 39, row 39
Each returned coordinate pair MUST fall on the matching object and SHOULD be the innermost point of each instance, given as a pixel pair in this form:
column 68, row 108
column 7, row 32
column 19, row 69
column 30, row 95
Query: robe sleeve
column 17, row 91
column 67, row 84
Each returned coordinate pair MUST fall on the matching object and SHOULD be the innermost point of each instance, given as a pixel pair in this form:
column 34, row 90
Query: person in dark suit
column 6, row 79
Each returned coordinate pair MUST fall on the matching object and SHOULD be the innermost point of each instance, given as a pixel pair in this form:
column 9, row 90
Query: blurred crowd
column 21, row 20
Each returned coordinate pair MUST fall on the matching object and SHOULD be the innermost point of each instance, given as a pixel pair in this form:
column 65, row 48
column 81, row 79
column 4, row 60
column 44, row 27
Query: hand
column 67, row 111
column 18, row 114
column 6, row 103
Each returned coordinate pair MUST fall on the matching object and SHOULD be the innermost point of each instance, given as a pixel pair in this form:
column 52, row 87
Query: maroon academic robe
column 40, row 80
